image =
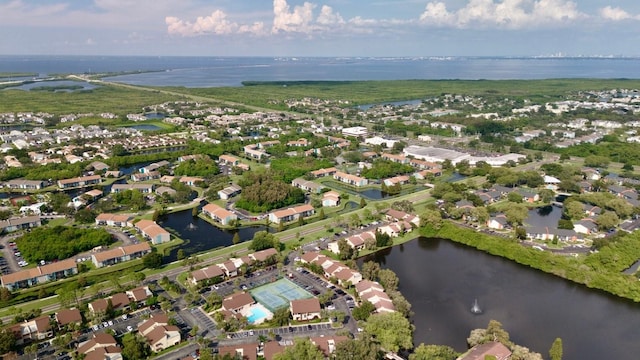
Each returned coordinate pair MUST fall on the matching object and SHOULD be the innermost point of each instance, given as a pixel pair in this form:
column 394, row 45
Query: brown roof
column 263, row 255
column 154, row 320
column 305, row 306
column 207, row 273
column 139, row 294
column 100, row 339
column 237, row 301
column 248, row 351
column 119, row 300
column 272, row 348
column 99, row 305
column 327, row 344
column 365, row 285
column 121, row 251
column 292, row 210
column 68, row 316
column 79, row 179
column 113, row 217
column 39, row 271
column 480, row 352
column 159, row 332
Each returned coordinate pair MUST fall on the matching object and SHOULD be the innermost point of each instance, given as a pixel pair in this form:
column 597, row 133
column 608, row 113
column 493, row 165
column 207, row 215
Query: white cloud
column 298, row 20
column 616, row 14
column 510, row 14
column 328, row 17
column 216, row 24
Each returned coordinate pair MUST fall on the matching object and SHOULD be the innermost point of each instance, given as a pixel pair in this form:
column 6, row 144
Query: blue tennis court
column 278, row 294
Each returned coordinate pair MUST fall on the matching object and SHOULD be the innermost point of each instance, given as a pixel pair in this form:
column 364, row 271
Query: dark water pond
column 441, row 279
column 201, row 236
column 544, row 216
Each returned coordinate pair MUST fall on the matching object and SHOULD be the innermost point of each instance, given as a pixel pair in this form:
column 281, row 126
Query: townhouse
column 22, row 184
column 32, row 330
column 238, row 302
column 158, row 333
column 324, row 172
column 229, row 192
column 349, row 179
column 143, row 188
column 102, row 346
column 374, row 293
column 219, row 214
column 291, row 214
column 305, row 309
column 307, row 186
column 39, row 275
column 332, row 268
column 396, row 215
column 546, row 233
column 120, row 254
column 79, row 182
column 330, row 199
column 152, row 231
column 117, row 220
column 21, row 223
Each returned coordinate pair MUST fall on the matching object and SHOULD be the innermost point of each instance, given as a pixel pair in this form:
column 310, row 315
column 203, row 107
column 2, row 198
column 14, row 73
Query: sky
column 380, row 28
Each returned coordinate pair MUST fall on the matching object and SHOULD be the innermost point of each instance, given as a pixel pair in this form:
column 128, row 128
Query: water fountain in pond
column 475, row 309
column 191, row 227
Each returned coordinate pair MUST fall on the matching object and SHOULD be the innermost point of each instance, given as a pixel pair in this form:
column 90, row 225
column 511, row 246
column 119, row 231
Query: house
column 152, row 231
column 15, row 224
column 305, row 309
column 118, row 220
column 229, row 160
column 206, row 274
column 396, row 215
column 307, row 186
column 229, row 192
column 32, row 330
column 35, row 209
column 492, row 350
column 528, row 196
column 145, row 176
column 139, row 294
column 400, row 180
column 551, row 182
column 159, row 333
column 330, row 199
column 546, row 233
column 585, row 226
column 246, row 351
column 65, row 317
column 591, row 210
column 229, row 268
column 356, row 131
column 395, row 229
column 219, row 214
column 498, row 222
column 102, row 346
column 79, row 182
column 400, row 158
column 327, row 344
column 22, row 184
column 39, row 274
column 162, row 190
column 120, row 254
column 350, row 179
column 120, row 301
column 374, row 293
column 264, row 255
column 143, row 188
column 324, row 172
column 291, row 214
column 154, row 167
column 238, row 302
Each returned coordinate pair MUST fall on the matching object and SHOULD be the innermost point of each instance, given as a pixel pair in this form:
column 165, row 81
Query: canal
column 441, row 279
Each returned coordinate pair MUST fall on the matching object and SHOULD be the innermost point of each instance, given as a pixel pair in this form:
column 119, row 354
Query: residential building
column 39, row 274
column 324, row 172
column 66, row 317
column 356, row 131
column 159, row 333
column 353, row 180
column 546, row 233
column 152, row 231
column 492, row 350
column 291, row 214
column 305, row 309
column 238, row 302
column 497, row 222
column 396, row 215
column 32, row 330
column 79, row 182
column 306, row 185
column 22, row 184
column 207, row 273
column 219, row 214
column 118, row 220
column 102, row 346
column 120, row 254
column 330, row 199
column 229, row 192
column 143, row 188
column 21, row 223
column 585, row 226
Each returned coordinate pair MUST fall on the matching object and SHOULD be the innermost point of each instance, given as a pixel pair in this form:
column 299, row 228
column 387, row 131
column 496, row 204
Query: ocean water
column 232, row 71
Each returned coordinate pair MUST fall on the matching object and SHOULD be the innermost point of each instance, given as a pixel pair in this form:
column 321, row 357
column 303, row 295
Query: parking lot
column 284, row 330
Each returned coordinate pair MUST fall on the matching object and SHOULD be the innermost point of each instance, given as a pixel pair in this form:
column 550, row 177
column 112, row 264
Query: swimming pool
column 258, row 315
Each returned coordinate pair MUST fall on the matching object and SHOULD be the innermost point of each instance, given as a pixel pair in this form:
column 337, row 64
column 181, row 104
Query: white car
column 129, row 328
column 110, row 322
column 125, row 316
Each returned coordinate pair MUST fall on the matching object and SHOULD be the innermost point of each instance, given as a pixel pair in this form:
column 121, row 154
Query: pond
column 64, row 86
column 146, row 127
column 199, row 235
column 392, row 103
column 441, row 279
column 545, row 216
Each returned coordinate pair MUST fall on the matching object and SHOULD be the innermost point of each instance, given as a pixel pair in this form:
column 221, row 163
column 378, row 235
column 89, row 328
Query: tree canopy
column 262, row 192
column 301, row 349
column 391, row 330
column 60, row 242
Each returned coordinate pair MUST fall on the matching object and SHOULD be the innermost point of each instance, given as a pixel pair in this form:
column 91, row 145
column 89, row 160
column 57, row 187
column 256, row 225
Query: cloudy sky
column 320, row 27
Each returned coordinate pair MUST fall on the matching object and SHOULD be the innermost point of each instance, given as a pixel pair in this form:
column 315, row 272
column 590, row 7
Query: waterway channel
column 441, row 279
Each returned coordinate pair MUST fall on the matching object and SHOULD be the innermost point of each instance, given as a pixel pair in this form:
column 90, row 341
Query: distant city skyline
column 320, row 27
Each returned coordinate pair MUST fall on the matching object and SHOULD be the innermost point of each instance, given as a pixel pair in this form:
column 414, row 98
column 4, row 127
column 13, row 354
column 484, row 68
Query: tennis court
column 278, row 294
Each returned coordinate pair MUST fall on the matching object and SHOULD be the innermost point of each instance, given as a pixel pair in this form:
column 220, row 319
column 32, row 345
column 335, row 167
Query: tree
column 194, row 211
column 281, row 317
column 383, row 239
column 180, row 255
column 574, row 210
column 363, row 203
column 434, row 352
column 556, row 349
column 391, row 330
column 301, row 349
column 321, row 214
column 85, row 216
column 370, row 270
column 264, row 240
column 139, row 277
column 514, row 197
column 134, row 347
column 214, row 300
column 516, row 214
column 7, row 341
column 5, row 294
column 152, row 260
column 361, row 348
column 346, row 251
column 432, row 218
column 388, row 279
column 607, row 220
column 363, row 311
